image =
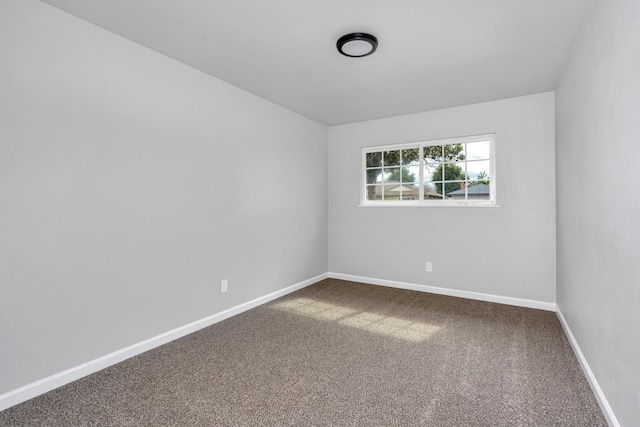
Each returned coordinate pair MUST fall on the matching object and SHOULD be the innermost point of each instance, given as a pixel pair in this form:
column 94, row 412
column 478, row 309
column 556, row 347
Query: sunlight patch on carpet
column 371, row 322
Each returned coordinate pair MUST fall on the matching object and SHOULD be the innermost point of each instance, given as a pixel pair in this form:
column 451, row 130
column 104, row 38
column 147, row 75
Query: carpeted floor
column 341, row 354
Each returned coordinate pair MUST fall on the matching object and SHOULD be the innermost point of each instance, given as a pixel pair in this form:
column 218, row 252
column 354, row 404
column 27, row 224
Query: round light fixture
column 357, row 45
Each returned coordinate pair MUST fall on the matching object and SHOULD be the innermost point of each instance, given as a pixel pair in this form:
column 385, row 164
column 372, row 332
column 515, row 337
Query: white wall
column 506, row 251
column 130, row 185
column 598, row 176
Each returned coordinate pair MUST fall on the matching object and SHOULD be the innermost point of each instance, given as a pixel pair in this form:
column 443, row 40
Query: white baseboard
column 540, row 305
column 44, row 385
column 595, row 387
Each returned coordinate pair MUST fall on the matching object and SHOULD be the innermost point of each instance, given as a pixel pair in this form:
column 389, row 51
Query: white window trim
column 491, row 203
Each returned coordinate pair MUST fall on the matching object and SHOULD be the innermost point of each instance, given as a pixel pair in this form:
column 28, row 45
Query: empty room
column 290, row 213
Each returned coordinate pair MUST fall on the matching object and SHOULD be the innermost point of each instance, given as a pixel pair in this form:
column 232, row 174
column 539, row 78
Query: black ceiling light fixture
column 357, row 45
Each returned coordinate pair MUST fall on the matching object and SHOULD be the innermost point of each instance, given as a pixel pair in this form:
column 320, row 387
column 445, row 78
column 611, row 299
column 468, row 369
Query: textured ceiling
column 432, row 53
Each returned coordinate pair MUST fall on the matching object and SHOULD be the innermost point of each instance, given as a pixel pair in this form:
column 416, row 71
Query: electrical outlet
column 223, row 286
column 429, row 266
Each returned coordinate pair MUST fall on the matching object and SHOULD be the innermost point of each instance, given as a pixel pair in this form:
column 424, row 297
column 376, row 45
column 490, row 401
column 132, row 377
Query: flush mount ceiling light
column 357, row 45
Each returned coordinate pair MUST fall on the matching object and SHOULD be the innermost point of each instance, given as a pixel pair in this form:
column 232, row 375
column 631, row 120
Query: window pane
column 428, row 171
column 478, row 150
column 373, row 175
column 451, row 172
column 454, row 152
column 431, row 191
column 373, row 192
column 392, row 158
column 392, row 191
column 391, row 174
column 410, row 156
column 410, row 174
column 452, row 189
column 479, row 170
column 478, row 191
column 408, row 192
column 374, row 159
column 432, row 154
column 456, row 190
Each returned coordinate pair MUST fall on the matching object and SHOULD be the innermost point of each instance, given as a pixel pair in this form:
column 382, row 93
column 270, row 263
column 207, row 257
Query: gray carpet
column 341, row 354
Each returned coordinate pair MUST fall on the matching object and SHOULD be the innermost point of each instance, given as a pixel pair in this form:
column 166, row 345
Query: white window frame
column 491, row 137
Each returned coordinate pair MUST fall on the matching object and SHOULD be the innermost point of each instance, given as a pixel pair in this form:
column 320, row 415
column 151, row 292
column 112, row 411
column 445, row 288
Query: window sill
column 431, row 205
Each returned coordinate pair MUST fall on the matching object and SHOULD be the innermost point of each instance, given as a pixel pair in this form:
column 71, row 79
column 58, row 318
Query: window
column 448, row 172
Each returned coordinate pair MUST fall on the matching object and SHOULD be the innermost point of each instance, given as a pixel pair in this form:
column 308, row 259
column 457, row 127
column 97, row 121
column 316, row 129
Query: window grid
column 458, row 173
